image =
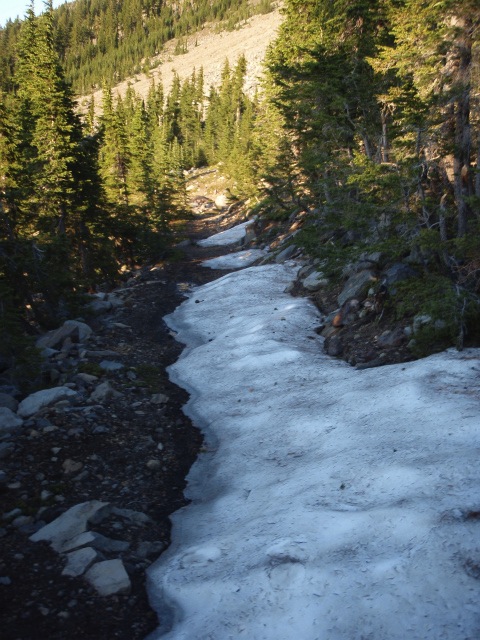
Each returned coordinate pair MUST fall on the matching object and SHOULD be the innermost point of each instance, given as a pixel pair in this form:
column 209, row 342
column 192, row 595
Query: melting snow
column 235, row 260
column 331, row 503
column 230, row 236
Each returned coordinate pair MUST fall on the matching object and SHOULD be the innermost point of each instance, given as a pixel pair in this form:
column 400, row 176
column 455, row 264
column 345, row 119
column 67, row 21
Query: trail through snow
column 331, row 503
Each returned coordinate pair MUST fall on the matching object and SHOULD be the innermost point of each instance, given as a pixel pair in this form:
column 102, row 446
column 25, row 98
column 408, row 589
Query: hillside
column 208, row 49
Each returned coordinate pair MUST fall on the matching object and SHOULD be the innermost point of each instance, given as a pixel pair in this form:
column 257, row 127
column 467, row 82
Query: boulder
column 8, row 420
column 77, row 331
column 109, row 577
column 70, row 524
column 357, row 286
column 315, row 281
column 36, row 401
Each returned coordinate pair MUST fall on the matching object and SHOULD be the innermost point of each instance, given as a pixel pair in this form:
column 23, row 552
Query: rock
column 104, row 392
column 71, row 466
column 334, row 346
column 8, row 401
column 82, row 540
column 77, row 331
column 285, row 254
column 108, row 545
column 36, row 401
column 109, row 577
column 98, row 307
column 70, row 524
column 111, row 365
column 221, row 201
column 87, row 378
column 357, row 286
column 135, row 517
column 315, row 280
column 8, row 420
column 420, row 321
column 79, row 561
column 391, row 338
column 159, row 398
column 153, row 465
column 398, row 272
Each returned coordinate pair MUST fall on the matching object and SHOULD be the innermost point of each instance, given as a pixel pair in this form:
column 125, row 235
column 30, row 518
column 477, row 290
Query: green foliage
column 454, row 313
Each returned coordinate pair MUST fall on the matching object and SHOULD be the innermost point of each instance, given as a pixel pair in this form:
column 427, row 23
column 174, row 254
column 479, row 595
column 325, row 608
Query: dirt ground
column 36, row 601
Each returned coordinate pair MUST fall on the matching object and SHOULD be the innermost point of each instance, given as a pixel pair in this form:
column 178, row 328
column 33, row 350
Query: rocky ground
column 123, row 440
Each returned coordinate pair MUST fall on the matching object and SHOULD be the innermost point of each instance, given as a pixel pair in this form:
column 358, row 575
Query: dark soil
column 113, row 443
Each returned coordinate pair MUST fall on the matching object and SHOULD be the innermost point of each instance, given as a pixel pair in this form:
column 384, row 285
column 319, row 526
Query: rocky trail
column 104, row 461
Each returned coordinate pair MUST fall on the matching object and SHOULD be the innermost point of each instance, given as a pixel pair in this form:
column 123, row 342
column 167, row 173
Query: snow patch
column 323, row 506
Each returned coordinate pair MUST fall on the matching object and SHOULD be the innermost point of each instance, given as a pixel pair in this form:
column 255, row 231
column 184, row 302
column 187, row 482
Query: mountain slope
column 209, row 49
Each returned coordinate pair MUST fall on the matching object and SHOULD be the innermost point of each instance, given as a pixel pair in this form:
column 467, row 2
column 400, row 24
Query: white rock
column 221, row 201
column 109, row 577
column 79, row 561
column 36, row 401
column 8, row 420
column 70, row 524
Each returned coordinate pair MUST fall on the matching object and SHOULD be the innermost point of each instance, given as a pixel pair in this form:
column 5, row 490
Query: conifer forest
column 367, row 129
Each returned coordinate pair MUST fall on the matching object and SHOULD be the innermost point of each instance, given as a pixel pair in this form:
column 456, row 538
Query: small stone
column 153, row 465
column 5, row 581
column 159, row 398
column 71, row 466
